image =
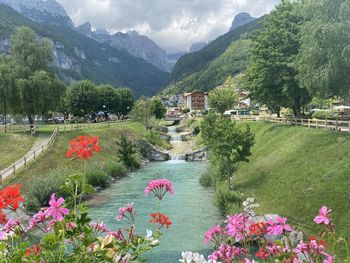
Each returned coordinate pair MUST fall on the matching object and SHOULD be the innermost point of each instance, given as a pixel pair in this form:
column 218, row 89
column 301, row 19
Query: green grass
column 13, row 147
column 55, row 157
column 294, row 171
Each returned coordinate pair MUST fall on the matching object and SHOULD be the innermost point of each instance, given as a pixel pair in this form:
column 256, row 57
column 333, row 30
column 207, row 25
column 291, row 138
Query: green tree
column 126, row 151
column 7, row 84
column 223, row 98
column 142, row 111
column 158, row 108
column 324, row 59
column 127, row 98
column 83, row 98
column 36, row 90
column 228, row 143
column 271, row 77
column 110, row 100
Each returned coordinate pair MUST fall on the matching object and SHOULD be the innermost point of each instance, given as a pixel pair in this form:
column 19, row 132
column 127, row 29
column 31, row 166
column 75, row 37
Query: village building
column 196, row 101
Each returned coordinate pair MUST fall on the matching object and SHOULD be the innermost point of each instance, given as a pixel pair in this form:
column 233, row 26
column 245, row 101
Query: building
column 196, row 101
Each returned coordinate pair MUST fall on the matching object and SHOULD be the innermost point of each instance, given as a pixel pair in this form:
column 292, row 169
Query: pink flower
column 36, row 219
column 247, row 260
column 238, row 226
column 328, row 260
column 129, row 208
column 55, row 210
column 213, row 234
column 159, row 187
column 278, row 227
column 226, row 253
column 323, row 217
column 99, row 228
column 71, row 225
column 8, row 227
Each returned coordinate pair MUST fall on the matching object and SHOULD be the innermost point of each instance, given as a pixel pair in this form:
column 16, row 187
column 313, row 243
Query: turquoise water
column 191, row 209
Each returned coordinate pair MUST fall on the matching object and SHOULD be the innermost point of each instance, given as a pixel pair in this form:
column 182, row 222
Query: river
column 191, row 209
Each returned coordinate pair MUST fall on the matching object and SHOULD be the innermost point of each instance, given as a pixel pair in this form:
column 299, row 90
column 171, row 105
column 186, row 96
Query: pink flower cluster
column 323, row 217
column 99, row 228
column 238, row 226
column 129, row 208
column 278, row 227
column 227, row 253
column 159, row 187
column 214, row 234
column 8, row 227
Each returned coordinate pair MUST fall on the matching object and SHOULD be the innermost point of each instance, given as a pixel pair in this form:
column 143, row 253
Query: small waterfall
column 172, row 129
column 174, row 137
column 177, row 157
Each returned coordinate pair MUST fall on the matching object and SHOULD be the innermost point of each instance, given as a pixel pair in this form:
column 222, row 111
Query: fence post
column 317, row 125
column 302, row 122
column 34, row 155
column 308, row 123
column 336, row 125
column 325, row 126
column 25, row 161
column 14, row 169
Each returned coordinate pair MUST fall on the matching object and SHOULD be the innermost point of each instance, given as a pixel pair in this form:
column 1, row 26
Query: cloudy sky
column 172, row 24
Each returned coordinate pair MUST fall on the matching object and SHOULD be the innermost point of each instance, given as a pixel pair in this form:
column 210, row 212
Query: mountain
column 137, row 45
column 176, row 56
column 197, row 46
column 79, row 57
column 241, row 20
column 209, row 67
column 41, row 11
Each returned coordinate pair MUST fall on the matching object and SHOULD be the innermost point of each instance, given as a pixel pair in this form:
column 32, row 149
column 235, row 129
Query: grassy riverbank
column 56, row 158
column 293, row 171
column 14, row 146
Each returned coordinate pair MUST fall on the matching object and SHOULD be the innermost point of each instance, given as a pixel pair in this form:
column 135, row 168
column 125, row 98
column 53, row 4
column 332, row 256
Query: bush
column 325, row 115
column 97, row 178
column 135, row 162
column 41, row 188
column 206, row 179
column 116, row 169
column 227, row 201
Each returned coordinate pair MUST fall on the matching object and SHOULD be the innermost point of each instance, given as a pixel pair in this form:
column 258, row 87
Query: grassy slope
column 13, row 147
column 56, row 155
column 293, row 171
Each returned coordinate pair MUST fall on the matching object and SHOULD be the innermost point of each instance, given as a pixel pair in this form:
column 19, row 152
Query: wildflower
column 161, row 219
column 189, row 257
column 36, row 219
column 55, row 210
column 99, row 228
column 83, row 146
column 149, row 235
column 238, row 226
column 33, row 250
column 159, row 187
column 129, row 208
column 323, row 217
column 213, row 234
column 279, row 226
column 10, row 197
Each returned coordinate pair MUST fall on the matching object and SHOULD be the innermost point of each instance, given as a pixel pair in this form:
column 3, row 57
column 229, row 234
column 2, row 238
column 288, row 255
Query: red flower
column 33, row 250
column 3, row 219
column 10, row 197
column 83, row 146
column 263, row 254
column 161, row 219
column 258, row 229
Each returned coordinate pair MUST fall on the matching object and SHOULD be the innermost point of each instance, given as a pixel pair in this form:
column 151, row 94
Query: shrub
column 135, row 162
column 325, row 115
column 227, row 201
column 116, row 169
column 97, row 178
column 41, row 188
column 206, row 179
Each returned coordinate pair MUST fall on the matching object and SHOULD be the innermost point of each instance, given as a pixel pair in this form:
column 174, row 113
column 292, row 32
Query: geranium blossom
column 129, row 208
column 279, row 226
column 8, row 227
column 323, row 217
column 10, row 197
column 99, row 228
column 213, row 234
column 83, row 146
column 33, row 250
column 36, row 219
column 238, row 226
column 227, row 253
column 55, row 210
column 190, row 257
column 159, row 187
column 161, row 219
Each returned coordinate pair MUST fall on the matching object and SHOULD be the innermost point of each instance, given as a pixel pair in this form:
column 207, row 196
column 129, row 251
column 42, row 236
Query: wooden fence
column 333, row 125
column 32, row 155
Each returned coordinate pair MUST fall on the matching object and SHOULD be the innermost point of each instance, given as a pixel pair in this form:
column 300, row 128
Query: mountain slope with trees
column 78, row 57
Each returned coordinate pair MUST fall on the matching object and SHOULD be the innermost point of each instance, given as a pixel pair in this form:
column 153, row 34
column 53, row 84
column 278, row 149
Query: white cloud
column 173, row 24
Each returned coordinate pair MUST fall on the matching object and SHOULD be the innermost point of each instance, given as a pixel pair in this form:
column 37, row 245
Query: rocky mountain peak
column 240, row 20
column 85, row 29
column 102, row 31
column 39, row 10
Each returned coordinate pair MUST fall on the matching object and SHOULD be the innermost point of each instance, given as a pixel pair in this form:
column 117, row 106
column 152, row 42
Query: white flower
column 149, row 235
column 155, row 242
column 190, row 257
